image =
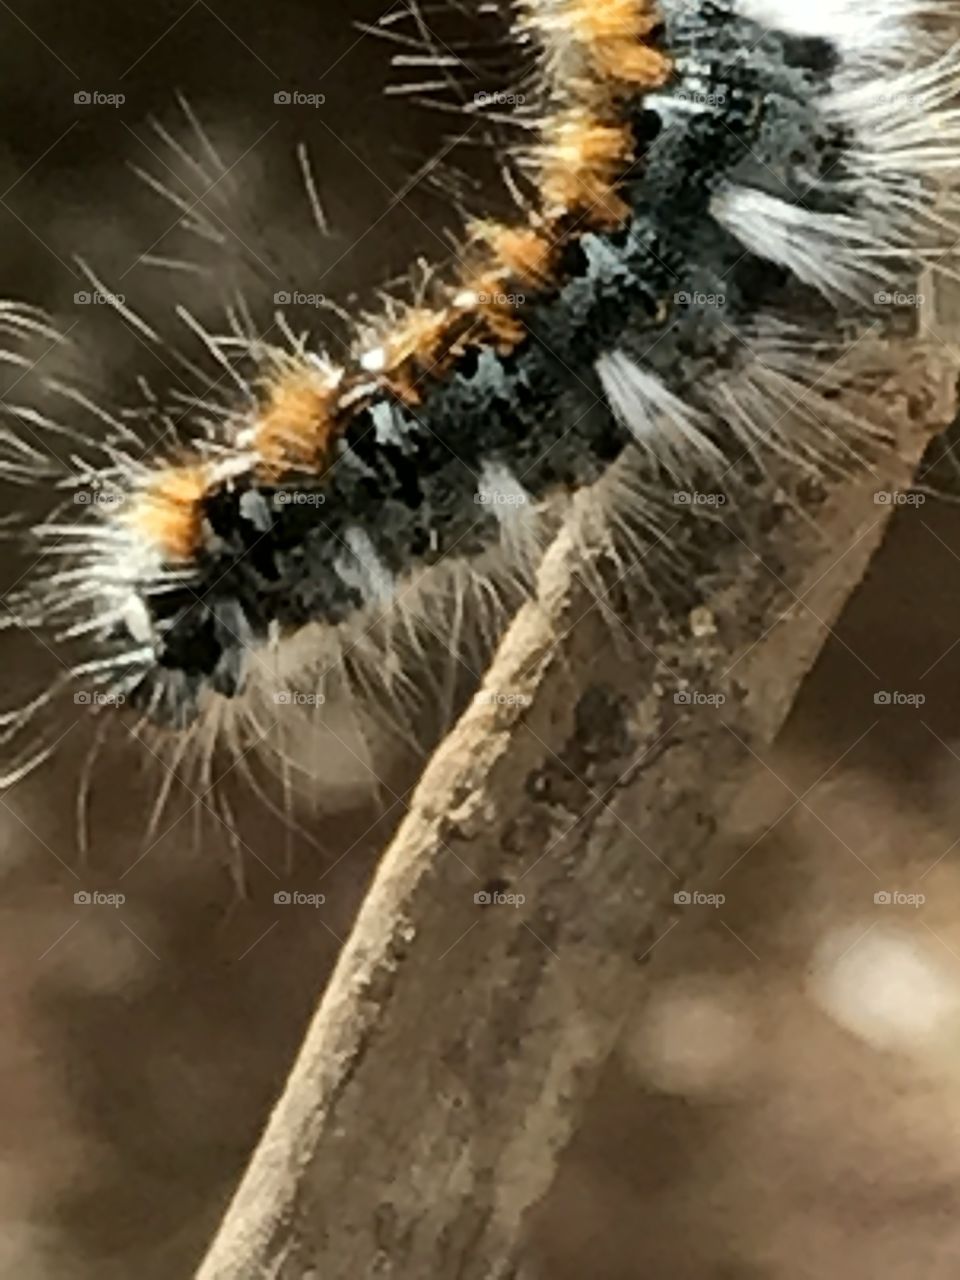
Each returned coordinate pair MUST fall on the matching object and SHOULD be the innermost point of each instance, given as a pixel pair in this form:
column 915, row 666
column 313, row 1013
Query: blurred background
column 787, row 1103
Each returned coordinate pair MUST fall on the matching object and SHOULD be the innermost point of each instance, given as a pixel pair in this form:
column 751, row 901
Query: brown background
column 755, row 1125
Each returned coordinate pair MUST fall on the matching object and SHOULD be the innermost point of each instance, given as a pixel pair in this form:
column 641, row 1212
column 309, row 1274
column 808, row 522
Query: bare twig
column 456, row 1044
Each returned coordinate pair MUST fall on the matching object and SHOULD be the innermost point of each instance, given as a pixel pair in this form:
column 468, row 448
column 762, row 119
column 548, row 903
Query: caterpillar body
column 721, row 193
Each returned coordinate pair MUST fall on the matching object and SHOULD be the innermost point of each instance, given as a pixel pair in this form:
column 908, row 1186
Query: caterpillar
column 720, row 200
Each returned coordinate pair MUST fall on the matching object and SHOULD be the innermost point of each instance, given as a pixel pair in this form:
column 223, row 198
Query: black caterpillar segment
column 721, row 202
column 407, row 482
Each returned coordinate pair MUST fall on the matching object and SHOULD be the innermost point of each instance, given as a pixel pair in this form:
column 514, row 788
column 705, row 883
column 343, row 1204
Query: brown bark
column 456, row 1044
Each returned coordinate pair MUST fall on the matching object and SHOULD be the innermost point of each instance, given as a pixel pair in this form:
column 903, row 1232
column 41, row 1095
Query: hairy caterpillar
column 325, row 525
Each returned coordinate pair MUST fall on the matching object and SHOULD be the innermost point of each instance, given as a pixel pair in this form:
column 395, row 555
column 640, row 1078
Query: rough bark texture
column 451, row 1055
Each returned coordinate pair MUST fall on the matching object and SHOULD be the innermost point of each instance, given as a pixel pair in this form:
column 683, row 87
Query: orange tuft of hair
column 168, row 511
column 613, row 33
column 420, row 344
column 524, row 254
column 495, row 312
column 582, row 163
column 297, row 422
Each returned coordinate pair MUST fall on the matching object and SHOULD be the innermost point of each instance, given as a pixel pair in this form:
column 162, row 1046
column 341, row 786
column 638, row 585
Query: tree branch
column 456, row 1044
